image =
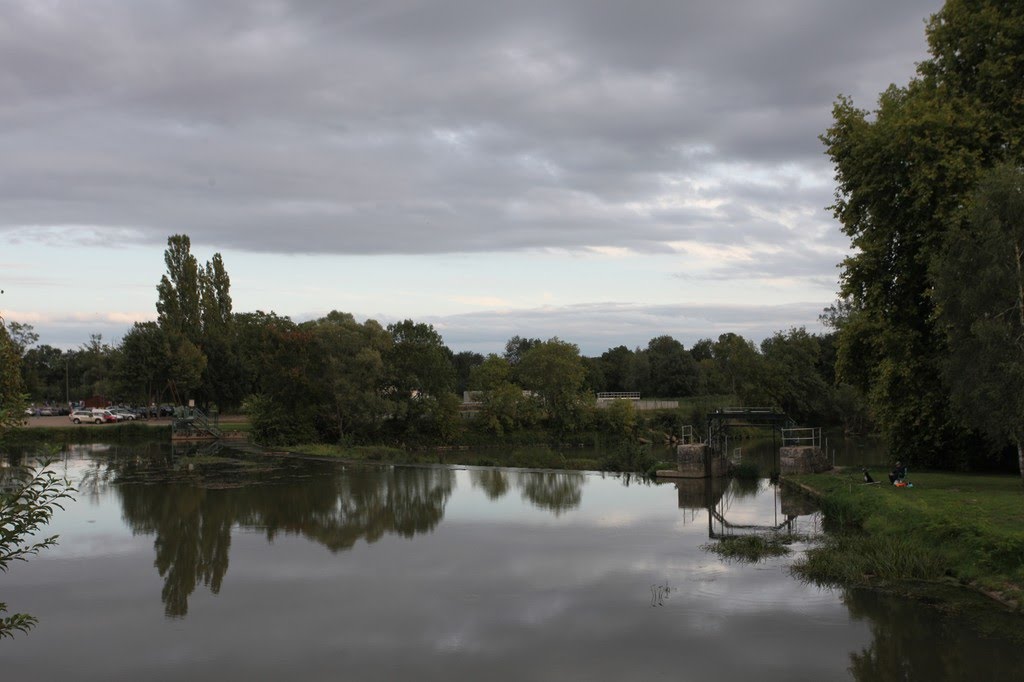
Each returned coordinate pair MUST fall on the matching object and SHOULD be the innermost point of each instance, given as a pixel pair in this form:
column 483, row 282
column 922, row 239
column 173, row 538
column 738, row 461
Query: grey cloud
column 416, row 127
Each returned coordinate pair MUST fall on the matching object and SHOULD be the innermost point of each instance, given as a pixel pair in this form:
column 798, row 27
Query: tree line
column 336, row 379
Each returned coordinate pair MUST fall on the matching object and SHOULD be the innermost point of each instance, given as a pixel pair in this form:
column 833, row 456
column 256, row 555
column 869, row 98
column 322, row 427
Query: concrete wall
column 691, row 462
column 802, row 459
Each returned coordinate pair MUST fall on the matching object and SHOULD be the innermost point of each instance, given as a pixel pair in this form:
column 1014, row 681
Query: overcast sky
column 602, row 171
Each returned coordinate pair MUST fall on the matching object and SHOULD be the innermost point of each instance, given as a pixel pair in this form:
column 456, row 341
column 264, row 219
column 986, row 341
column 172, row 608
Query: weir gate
column 798, row 449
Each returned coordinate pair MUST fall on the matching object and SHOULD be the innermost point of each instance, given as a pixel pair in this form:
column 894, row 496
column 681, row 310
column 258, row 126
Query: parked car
column 106, row 416
column 123, row 414
column 86, row 417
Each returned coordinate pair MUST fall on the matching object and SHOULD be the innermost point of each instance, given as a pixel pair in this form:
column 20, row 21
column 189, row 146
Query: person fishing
column 898, row 473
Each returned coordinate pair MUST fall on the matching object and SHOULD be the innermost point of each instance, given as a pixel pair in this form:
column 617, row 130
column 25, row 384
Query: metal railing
column 687, row 436
column 618, row 395
column 805, row 436
column 191, row 422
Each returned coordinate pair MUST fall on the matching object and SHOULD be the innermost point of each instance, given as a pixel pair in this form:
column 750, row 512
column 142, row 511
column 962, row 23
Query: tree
column 673, row 371
column 145, row 361
column 12, row 395
column 27, row 503
column 258, row 334
column 22, row 335
column 617, row 364
column 979, row 291
column 178, row 293
column 489, row 374
column 554, row 370
column 516, row 347
column 418, row 366
column 737, row 367
column 418, row 360
column 463, row 363
column 791, row 378
column 904, row 174
column 27, row 498
column 353, row 371
column 194, row 311
column 505, row 409
column 96, row 364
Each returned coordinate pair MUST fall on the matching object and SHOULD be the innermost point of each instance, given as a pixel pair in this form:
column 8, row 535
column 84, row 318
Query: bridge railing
column 618, row 395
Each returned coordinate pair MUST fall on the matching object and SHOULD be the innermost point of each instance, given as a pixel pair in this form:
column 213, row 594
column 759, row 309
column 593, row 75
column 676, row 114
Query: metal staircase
column 191, row 423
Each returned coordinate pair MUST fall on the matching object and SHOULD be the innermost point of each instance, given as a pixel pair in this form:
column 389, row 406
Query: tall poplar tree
column 194, row 312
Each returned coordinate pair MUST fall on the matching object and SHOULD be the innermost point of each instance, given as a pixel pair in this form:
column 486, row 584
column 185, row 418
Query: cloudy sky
column 602, row 171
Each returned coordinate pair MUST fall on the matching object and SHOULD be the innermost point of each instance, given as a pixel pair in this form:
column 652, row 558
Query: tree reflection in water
column 494, row 482
column 911, row 643
column 192, row 519
column 191, row 504
column 554, row 491
column 557, row 492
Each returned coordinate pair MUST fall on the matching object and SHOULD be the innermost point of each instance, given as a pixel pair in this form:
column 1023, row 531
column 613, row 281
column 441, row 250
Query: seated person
column 898, row 473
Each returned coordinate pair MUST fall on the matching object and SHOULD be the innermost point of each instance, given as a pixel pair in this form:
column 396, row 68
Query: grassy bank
column 91, row 433
column 948, row 529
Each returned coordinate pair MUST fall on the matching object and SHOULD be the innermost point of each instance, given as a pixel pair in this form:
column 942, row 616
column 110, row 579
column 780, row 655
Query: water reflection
column 191, row 503
column 557, row 492
column 717, row 497
column 913, row 642
column 554, row 491
column 494, row 482
column 502, row 591
column 192, row 519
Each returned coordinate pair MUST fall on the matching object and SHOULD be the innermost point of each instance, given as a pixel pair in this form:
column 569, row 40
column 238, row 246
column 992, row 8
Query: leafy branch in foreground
column 28, row 500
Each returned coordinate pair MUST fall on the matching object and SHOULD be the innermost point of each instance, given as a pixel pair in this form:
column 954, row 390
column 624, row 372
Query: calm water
column 241, row 568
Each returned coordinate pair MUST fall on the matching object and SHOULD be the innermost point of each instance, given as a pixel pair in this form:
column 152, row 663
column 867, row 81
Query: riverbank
column 949, row 529
column 58, row 430
column 629, row 457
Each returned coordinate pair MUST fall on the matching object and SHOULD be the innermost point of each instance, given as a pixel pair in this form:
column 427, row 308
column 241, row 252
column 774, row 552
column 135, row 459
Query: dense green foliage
column 979, row 290
column 12, row 398
column 905, row 177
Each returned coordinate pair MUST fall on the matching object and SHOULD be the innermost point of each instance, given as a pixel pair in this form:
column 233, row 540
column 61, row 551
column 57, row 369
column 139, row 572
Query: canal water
column 231, row 566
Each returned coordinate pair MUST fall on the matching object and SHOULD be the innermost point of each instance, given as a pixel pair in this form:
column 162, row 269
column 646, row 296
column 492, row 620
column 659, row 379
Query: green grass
column 949, row 528
column 749, row 549
column 89, row 433
column 235, row 427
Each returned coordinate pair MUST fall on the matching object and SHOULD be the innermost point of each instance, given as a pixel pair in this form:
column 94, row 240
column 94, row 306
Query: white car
column 87, row 417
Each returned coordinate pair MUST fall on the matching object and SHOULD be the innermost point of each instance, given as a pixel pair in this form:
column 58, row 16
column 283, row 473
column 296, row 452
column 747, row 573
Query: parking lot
column 36, row 422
